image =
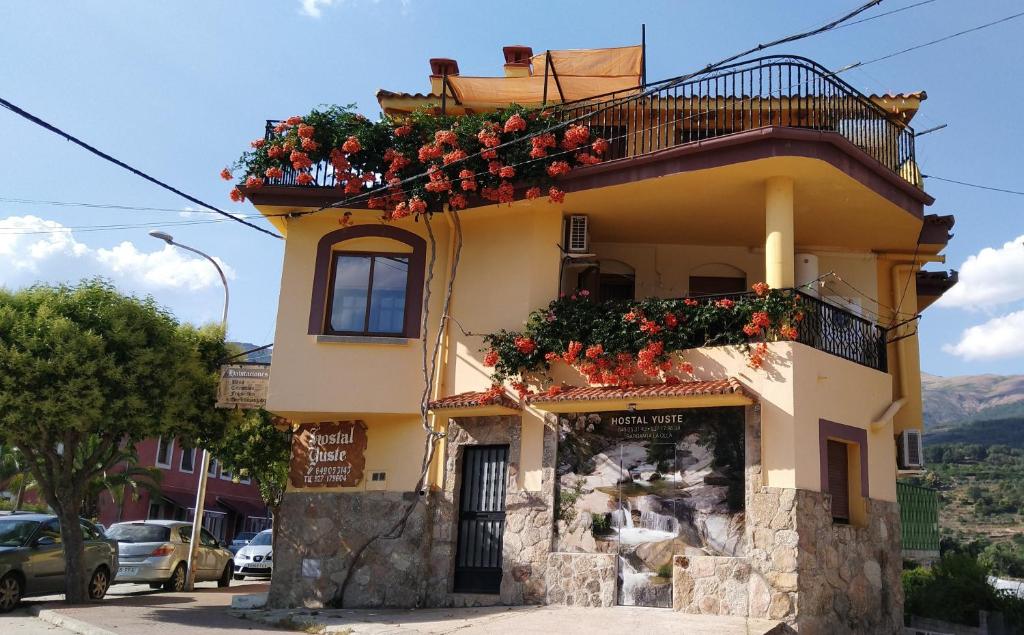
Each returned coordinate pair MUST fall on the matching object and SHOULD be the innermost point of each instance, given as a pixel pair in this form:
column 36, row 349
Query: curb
column 72, row 624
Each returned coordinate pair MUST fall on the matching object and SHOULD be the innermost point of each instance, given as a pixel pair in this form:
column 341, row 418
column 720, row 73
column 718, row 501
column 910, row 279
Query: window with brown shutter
column 839, row 481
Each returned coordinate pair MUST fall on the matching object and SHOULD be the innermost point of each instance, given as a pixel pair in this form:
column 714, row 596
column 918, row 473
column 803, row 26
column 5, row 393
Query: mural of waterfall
column 648, row 486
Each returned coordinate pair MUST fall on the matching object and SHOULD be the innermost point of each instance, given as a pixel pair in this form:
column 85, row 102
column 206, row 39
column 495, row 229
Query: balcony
column 766, row 94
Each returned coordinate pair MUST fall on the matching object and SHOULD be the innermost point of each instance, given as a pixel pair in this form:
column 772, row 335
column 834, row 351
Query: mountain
column 951, row 401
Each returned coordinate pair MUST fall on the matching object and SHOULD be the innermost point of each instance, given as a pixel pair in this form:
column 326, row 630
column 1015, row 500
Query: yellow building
column 734, row 478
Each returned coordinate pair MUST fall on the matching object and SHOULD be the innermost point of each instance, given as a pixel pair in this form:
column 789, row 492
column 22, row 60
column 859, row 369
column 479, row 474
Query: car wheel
column 177, row 580
column 225, row 578
column 11, row 590
column 99, row 583
column 238, row 576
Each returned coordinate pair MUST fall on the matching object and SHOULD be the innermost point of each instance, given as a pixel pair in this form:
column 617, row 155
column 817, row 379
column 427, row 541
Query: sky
column 178, row 89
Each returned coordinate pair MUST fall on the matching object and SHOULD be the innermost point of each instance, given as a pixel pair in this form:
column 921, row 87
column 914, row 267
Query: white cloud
column 990, row 278
column 998, row 338
column 312, row 8
column 33, row 249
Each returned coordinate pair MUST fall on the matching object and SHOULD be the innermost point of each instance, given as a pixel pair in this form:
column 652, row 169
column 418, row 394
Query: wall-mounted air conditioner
column 577, row 234
column 911, row 453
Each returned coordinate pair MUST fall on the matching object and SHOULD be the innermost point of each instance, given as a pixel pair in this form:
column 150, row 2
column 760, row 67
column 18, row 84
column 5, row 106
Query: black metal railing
column 791, row 92
column 832, row 329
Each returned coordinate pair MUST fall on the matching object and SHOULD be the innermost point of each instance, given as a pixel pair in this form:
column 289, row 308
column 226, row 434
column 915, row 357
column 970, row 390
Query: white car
column 256, row 559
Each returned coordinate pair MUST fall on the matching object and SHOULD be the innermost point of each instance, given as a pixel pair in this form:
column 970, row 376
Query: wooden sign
column 243, row 386
column 328, row 454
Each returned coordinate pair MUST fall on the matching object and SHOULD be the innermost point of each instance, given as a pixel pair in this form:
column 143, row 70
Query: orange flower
column 306, row 132
column 351, row 145
column 685, row 367
column 274, row 173
column 237, row 196
column 417, row 205
column 226, row 174
column 515, row 123
column 403, row 130
column 376, row 202
column 532, row 193
column 300, row 160
column 253, row 182
column 788, row 332
column 507, row 172
column 401, row 210
column 258, row 143
column 558, row 168
column 275, row 152
column 453, row 156
column 525, row 345
column 309, row 144
column 457, row 201
column 446, row 137
column 293, row 121
column 595, row 351
column 760, row 288
column 304, row 178
column 600, row 146
column 725, row 303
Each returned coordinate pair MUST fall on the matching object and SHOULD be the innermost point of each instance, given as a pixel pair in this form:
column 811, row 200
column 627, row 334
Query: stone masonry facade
column 581, row 579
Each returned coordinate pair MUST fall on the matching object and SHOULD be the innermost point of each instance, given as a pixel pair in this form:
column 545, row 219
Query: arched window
column 609, row 280
column 368, row 291
column 717, row 277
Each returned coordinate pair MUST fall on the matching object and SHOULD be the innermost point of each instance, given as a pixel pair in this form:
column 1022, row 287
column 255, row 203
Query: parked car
column 32, row 558
column 256, row 559
column 156, row 551
column 241, row 540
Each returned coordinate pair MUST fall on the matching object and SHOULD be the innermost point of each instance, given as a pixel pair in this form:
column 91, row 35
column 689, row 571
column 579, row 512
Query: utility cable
column 980, row 187
column 54, row 129
column 113, row 206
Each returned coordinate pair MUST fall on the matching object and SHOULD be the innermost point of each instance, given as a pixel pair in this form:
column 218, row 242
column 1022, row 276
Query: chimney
column 439, row 67
column 517, row 60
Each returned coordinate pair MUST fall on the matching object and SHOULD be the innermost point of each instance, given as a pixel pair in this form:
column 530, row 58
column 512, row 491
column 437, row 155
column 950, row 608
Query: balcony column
column 778, row 243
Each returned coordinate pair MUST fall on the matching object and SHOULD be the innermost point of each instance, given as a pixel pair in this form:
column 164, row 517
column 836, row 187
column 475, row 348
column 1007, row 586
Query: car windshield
column 243, row 538
column 15, row 533
column 262, row 539
column 139, row 533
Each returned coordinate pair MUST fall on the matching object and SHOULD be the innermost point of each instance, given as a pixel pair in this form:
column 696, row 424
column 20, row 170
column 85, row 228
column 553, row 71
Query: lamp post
column 197, row 520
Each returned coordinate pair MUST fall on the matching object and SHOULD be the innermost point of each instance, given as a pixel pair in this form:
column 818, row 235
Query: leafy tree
column 122, row 482
column 14, row 475
column 252, row 446
column 86, row 372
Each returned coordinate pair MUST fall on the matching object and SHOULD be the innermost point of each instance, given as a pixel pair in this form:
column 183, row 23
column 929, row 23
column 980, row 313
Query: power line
column 113, row 206
column 658, row 86
column 980, row 187
column 54, row 129
column 882, row 15
column 32, row 231
column 936, row 41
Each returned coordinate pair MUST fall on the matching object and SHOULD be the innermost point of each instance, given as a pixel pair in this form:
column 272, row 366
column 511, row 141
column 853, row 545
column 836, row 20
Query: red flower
column 304, row 178
column 788, row 332
column 760, row 288
column 550, row 357
column 556, row 195
column 595, row 351
column 306, row 132
column 353, row 186
column 237, row 196
column 489, row 193
column 584, row 293
column 457, row 201
column 491, row 358
column 575, row 136
column 553, row 390
column 226, row 174
column 488, row 155
column 401, row 210
column 760, row 319
column 686, row 367
column 253, row 182
column 515, row 123
column 446, row 137
column 274, row 173
column 521, row 389
column 430, row 151
column 453, row 156
column 507, row 172
column 489, row 138
column 403, row 130
column 672, row 380
column 532, row 193
column 538, row 153
column 506, row 193
column 275, row 152
column 650, row 327
column 417, row 205
column 300, row 160
column 558, row 168
column 725, row 303
column 546, row 140
column 376, row 202
column 293, row 121
column 525, row 345
column 572, row 352
column 351, row 145
column 671, row 321
column 690, row 302
column 600, row 146
column 258, row 143
column 309, row 144
column 751, row 330
column 585, row 158
column 631, row 316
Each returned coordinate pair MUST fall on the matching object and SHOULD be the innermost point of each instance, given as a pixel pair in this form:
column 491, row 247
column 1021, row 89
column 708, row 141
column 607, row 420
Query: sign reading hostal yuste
column 243, row 386
column 328, row 454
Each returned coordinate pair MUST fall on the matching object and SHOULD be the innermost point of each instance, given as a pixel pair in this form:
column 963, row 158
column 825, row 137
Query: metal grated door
column 481, row 519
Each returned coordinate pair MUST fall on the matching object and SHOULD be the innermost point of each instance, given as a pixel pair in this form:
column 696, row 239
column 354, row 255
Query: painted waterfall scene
column 650, row 485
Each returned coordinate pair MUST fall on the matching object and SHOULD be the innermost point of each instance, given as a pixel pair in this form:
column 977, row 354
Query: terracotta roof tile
column 684, row 389
column 473, row 399
column 381, row 93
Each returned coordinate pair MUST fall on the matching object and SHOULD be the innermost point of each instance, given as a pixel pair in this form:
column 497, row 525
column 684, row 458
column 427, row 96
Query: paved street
column 135, row 608
column 23, row 623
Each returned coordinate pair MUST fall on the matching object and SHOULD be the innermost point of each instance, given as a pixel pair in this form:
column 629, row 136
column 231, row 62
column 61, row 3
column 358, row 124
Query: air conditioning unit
column 911, row 452
column 577, row 234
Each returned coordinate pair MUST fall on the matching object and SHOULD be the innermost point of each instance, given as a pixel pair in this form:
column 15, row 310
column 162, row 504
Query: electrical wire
column 103, row 155
column 882, row 15
column 980, row 187
column 113, row 206
column 32, row 231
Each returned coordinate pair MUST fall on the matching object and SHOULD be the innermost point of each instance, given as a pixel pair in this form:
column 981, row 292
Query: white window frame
column 214, row 468
column 245, row 481
column 182, row 460
column 170, row 454
column 229, row 476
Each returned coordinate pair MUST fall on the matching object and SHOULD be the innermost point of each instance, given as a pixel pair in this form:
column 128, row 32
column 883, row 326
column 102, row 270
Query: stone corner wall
column 581, row 579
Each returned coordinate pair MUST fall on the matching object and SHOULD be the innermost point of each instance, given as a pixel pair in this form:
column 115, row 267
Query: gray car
column 156, row 552
column 32, row 558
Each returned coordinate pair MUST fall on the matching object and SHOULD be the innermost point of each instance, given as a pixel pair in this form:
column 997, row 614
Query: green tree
column 14, row 475
column 125, row 480
column 86, row 372
column 251, row 446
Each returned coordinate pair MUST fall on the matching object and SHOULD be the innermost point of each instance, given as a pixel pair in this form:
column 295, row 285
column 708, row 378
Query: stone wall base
column 581, row 579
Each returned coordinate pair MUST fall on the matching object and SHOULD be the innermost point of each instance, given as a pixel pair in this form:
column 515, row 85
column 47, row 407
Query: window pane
column 387, row 304
column 187, row 459
column 351, row 279
column 163, row 451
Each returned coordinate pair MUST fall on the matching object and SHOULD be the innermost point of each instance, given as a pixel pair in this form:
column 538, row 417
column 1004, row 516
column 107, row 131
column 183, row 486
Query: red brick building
column 231, row 507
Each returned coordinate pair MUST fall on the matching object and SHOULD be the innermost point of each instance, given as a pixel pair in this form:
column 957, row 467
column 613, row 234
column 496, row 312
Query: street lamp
column 197, row 520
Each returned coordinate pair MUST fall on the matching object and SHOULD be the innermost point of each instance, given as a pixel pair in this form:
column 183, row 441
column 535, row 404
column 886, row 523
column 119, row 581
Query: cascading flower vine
column 617, row 343
column 498, row 157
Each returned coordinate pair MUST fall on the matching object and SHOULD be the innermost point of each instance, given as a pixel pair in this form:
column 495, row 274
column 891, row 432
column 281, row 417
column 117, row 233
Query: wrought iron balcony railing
column 789, row 92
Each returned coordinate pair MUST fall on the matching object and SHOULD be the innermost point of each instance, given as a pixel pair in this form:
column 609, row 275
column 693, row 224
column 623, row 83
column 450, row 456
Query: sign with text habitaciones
column 328, row 454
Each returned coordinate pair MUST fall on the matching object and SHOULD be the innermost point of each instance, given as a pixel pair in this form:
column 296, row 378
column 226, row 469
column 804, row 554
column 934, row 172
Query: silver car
column 32, row 558
column 156, row 551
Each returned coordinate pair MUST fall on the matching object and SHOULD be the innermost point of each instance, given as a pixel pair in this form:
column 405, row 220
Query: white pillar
column 778, row 243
